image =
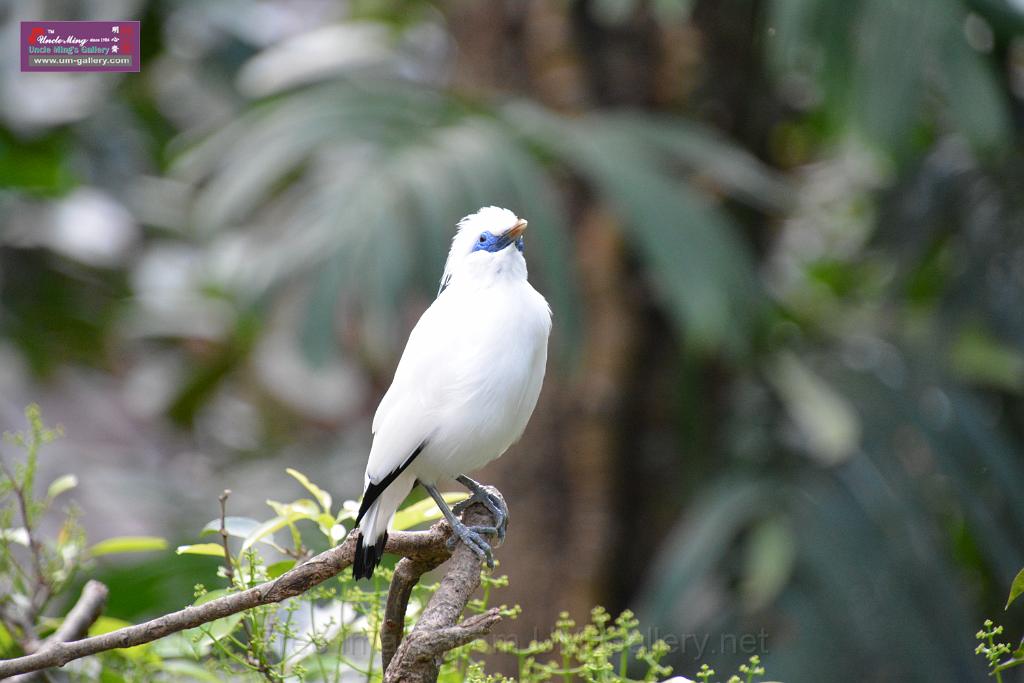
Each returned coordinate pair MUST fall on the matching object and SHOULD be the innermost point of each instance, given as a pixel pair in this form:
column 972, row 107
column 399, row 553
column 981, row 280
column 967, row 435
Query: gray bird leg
column 472, row 536
column 485, row 495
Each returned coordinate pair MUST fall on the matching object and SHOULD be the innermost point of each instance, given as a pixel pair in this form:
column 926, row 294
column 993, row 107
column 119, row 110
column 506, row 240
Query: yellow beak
column 516, row 230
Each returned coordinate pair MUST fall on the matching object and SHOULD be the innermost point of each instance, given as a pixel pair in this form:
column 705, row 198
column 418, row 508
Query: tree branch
column 407, row 575
column 76, row 624
column 426, row 547
column 418, row 659
column 83, row 615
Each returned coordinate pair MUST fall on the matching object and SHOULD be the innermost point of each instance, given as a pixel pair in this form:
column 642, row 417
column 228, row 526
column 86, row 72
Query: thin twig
column 229, row 565
column 39, row 593
column 259, row 663
column 42, row 588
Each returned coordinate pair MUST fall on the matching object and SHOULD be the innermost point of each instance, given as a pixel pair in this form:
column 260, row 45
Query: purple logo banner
column 80, row 46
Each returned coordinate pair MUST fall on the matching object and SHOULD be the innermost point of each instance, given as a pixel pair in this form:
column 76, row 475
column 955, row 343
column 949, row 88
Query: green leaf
column 325, row 522
column 321, row 496
column 895, row 38
column 278, row 568
column 349, row 510
column 40, row 164
column 1016, row 588
column 287, row 514
column 768, row 564
column 128, row 544
column 705, row 151
column 303, row 508
column 107, row 624
column 221, row 627
column 196, row 642
column 190, row 671
column 218, row 629
column 980, row 357
column 239, row 527
column 6, row 641
column 973, row 91
column 179, row 645
column 423, row 511
column 212, row 549
column 265, row 529
column 827, row 420
column 60, row 485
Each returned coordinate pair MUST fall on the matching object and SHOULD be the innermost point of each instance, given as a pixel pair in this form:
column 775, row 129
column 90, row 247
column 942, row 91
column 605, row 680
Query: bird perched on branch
column 465, row 387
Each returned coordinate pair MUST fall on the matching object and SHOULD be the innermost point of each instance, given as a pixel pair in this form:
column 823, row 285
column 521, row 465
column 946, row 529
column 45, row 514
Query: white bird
column 465, row 386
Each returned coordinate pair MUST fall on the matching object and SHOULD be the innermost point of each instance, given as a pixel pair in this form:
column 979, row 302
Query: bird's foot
column 473, row 537
column 491, row 499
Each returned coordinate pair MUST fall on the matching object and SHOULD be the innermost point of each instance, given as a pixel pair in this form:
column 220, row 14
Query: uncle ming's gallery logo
column 80, row 46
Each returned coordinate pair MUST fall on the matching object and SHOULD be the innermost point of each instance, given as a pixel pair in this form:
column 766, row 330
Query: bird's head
column 487, row 245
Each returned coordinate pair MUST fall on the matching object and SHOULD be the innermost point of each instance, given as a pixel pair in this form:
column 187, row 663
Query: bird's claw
column 494, row 504
column 472, row 537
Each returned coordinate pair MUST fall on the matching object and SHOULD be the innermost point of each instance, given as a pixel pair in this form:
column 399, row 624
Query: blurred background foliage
column 783, row 241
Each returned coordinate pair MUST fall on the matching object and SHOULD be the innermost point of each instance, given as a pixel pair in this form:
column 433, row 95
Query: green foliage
column 995, row 652
column 1016, row 588
column 999, row 655
column 748, row 673
column 425, row 155
column 295, row 641
column 323, row 635
column 36, row 572
column 38, row 165
column 842, row 49
column 127, row 544
column 33, row 571
column 602, row 650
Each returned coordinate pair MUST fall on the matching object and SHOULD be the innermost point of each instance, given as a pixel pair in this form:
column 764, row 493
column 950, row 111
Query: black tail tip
column 368, row 556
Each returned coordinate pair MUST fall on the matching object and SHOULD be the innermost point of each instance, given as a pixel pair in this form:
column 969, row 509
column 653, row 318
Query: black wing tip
column 367, row 557
column 373, row 491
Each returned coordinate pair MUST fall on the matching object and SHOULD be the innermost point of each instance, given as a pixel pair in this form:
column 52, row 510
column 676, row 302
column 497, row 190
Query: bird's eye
column 483, row 237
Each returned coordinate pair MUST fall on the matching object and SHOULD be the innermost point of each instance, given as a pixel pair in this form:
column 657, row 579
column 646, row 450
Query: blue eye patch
column 488, row 241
